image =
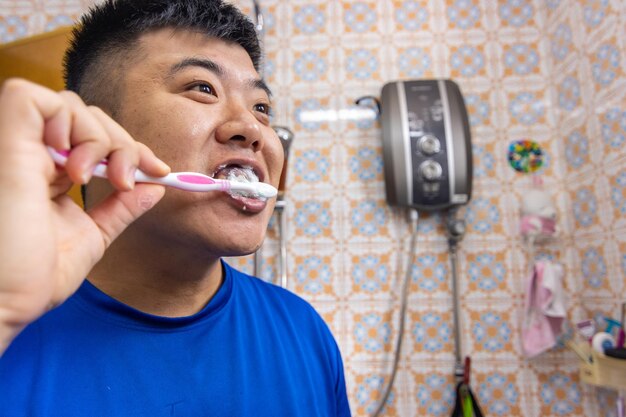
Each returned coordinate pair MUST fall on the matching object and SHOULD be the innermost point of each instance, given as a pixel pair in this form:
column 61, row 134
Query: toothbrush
column 189, row 181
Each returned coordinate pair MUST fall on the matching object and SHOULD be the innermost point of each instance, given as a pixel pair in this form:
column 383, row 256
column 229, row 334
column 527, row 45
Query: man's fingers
column 89, row 140
column 30, row 103
column 127, row 155
column 57, row 129
column 123, row 157
column 24, row 109
column 66, row 122
column 150, row 163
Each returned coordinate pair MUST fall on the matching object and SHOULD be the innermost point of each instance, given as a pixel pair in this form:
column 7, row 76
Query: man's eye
column 263, row 108
column 203, row 88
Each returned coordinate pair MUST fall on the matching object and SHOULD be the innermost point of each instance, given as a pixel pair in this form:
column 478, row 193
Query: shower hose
column 414, row 219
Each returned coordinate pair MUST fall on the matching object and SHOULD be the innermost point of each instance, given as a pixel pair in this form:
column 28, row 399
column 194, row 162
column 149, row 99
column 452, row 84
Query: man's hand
column 47, row 243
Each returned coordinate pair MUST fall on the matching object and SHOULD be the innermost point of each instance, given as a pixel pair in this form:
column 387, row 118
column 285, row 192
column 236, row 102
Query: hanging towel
column 534, row 225
column 544, row 309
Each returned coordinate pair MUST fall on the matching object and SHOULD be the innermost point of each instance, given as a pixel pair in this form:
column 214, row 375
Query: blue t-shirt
column 254, row 350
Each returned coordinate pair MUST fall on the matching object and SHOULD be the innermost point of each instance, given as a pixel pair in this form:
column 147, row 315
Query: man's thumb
column 121, row 208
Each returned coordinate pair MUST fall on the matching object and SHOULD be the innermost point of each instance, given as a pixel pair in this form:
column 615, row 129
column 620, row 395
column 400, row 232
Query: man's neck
column 159, row 284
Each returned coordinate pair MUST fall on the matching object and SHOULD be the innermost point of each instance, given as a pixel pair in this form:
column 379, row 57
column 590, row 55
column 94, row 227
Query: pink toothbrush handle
column 60, row 157
column 189, row 181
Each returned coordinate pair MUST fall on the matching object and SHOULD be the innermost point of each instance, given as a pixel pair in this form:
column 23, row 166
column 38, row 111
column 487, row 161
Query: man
column 161, row 326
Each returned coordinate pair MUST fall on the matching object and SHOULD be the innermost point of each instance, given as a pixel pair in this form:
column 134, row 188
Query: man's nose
column 240, row 126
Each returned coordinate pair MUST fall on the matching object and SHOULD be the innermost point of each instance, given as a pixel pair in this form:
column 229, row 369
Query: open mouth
column 238, row 173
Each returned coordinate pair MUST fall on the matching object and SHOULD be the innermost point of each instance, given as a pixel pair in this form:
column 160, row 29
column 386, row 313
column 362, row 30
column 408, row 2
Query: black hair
column 104, row 39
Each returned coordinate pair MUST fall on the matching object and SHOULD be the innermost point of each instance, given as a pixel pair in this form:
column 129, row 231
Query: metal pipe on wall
column 286, row 137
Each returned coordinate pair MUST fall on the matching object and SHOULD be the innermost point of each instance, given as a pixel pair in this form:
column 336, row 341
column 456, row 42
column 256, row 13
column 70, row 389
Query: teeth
column 240, row 174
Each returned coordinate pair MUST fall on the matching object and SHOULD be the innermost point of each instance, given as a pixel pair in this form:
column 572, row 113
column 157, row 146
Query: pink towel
column 544, row 309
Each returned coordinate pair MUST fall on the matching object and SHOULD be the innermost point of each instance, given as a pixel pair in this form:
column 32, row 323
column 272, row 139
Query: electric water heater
column 427, row 150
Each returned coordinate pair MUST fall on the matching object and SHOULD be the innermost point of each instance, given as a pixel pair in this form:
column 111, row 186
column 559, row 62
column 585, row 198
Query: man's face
column 200, row 105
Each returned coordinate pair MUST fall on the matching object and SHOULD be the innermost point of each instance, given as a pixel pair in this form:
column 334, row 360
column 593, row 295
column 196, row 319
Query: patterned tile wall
column 549, row 70
column 587, row 57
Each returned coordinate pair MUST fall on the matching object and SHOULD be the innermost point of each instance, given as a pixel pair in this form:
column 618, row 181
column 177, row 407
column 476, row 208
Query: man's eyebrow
column 205, row 63
column 261, row 85
column 217, row 69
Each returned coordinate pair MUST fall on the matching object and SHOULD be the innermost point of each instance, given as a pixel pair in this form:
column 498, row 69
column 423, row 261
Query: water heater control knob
column 430, row 170
column 429, row 145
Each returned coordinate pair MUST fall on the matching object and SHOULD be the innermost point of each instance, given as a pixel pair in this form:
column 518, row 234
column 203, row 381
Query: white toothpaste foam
column 245, row 175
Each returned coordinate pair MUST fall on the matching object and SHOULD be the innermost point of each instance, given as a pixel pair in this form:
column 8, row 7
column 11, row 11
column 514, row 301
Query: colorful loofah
column 525, row 156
